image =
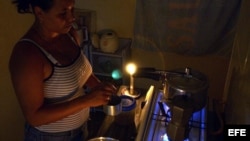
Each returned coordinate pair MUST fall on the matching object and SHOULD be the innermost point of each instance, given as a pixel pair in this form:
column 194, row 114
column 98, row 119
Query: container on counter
column 126, row 117
column 114, row 106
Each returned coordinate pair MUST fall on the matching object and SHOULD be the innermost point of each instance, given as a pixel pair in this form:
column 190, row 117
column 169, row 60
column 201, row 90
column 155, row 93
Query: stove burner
column 160, row 120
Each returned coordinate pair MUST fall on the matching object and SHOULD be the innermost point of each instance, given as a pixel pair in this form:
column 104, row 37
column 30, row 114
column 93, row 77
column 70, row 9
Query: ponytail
column 26, row 6
column 23, row 6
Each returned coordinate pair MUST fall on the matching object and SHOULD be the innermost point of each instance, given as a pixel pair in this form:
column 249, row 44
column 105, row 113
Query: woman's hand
column 100, row 95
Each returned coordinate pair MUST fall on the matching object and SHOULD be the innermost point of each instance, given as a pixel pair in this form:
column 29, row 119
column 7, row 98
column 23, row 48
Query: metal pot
column 103, row 139
column 114, row 106
column 186, row 88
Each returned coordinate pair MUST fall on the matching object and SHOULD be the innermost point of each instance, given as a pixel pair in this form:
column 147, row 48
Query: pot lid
column 191, row 82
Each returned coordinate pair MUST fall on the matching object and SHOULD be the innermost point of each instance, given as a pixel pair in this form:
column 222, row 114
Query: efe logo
column 240, row 132
column 237, row 132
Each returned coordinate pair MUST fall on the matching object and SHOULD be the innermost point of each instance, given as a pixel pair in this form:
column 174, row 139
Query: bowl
column 127, row 116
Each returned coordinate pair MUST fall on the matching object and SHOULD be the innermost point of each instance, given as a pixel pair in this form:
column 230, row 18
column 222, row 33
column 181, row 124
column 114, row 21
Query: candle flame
column 131, row 68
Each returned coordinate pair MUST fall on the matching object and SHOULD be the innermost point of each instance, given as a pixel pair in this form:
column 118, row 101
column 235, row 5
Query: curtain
column 237, row 110
column 190, row 27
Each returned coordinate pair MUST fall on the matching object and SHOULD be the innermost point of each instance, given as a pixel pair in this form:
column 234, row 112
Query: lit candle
column 131, row 69
column 131, row 85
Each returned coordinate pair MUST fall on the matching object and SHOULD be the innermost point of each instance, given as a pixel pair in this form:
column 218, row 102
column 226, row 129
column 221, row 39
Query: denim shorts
column 33, row 134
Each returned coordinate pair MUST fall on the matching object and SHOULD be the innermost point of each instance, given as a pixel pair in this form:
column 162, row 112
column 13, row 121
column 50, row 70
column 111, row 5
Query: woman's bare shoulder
column 25, row 49
column 25, row 55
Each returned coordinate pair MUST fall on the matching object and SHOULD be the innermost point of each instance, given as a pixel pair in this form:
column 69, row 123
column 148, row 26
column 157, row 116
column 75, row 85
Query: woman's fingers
column 103, row 93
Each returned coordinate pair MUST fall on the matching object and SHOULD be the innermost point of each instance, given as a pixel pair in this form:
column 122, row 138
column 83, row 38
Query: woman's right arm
column 28, row 69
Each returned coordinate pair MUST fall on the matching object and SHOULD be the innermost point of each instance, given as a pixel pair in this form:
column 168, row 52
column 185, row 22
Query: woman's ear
column 38, row 13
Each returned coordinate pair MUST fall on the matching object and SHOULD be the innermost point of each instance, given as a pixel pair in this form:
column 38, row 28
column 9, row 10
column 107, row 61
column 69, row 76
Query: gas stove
column 155, row 118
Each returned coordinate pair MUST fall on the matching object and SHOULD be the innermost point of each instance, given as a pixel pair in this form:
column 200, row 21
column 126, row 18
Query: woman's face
column 59, row 18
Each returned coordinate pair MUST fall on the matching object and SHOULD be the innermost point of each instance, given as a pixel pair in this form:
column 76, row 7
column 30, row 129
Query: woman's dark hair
column 26, row 6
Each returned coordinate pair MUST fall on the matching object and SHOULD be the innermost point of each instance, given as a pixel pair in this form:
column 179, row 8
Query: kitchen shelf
column 105, row 63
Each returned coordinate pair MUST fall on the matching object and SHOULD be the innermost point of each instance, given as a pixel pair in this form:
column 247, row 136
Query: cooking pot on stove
column 103, row 139
column 186, row 88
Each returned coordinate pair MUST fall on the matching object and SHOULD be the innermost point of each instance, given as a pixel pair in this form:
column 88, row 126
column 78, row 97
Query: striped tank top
column 64, row 84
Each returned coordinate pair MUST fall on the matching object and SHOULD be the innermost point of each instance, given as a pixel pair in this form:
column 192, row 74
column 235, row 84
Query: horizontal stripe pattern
column 67, row 79
column 66, row 84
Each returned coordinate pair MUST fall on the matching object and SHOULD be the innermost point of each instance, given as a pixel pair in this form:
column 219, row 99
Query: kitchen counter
column 107, row 127
column 102, row 125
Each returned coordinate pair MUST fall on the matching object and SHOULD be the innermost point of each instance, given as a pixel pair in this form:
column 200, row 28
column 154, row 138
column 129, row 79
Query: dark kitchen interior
column 192, row 60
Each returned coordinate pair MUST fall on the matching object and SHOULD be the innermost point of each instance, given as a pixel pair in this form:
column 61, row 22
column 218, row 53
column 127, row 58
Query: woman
column 49, row 71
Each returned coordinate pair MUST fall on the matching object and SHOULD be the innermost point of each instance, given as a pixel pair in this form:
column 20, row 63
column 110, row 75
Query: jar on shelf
column 109, row 41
